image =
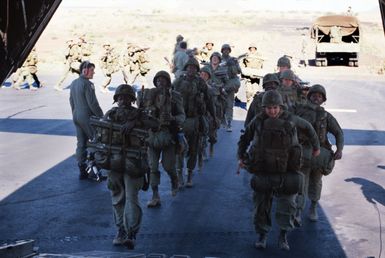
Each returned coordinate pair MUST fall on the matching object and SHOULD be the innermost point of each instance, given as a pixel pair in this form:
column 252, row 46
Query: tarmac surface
column 41, row 197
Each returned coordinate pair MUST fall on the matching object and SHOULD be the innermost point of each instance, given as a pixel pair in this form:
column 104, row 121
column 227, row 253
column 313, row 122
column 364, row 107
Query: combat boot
column 261, row 243
column 189, row 183
column 211, row 150
column 174, row 185
column 82, row 171
column 298, row 219
column 180, row 178
column 282, row 241
column 313, row 215
column 129, row 242
column 121, row 235
column 155, row 201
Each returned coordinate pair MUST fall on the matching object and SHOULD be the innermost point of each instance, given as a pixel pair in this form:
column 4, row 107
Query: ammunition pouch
column 288, row 183
column 324, row 162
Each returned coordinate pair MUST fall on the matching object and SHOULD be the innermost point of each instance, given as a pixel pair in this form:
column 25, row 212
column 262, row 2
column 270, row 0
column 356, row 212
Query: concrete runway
column 41, row 197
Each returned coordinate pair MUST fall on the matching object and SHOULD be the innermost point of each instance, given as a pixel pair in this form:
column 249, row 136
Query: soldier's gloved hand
column 338, row 155
column 127, row 127
column 316, row 152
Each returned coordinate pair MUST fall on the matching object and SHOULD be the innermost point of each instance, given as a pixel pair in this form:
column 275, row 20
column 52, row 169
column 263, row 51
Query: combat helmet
column 191, row 61
column 272, row 98
column 270, row 77
column 225, row 46
column 216, row 54
column 163, row 74
column 124, row 89
column 284, row 61
column 287, row 74
column 206, row 70
column 317, row 88
column 209, row 42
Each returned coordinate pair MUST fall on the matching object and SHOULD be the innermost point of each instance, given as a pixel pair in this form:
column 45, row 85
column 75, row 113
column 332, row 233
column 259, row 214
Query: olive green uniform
column 179, row 61
column 273, row 183
column 162, row 141
column 84, row 104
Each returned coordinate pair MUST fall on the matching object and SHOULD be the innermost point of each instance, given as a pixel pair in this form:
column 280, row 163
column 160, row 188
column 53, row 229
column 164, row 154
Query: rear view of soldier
column 274, row 160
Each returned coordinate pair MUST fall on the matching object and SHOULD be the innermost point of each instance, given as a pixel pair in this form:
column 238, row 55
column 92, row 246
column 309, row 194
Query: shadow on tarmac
column 373, row 192
column 214, row 218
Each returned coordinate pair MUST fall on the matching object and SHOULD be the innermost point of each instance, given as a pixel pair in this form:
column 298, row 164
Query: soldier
column 219, row 77
column 252, row 64
column 135, row 62
column 27, row 72
column 109, row 64
column 85, row 48
column 179, row 39
column 290, row 90
column 126, row 178
column 206, row 52
column 73, row 58
column 283, row 64
column 270, row 82
column 274, row 159
column 304, row 60
column 166, row 105
column 84, row 104
column 315, row 167
column 232, row 84
column 180, row 59
column 196, row 99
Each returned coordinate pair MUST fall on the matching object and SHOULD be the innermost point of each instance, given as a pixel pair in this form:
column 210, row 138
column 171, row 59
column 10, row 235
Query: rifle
column 169, row 64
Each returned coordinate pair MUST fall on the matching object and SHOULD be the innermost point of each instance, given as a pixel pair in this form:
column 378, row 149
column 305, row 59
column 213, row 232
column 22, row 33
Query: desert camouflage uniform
column 109, row 63
column 73, row 58
column 135, row 64
column 27, row 72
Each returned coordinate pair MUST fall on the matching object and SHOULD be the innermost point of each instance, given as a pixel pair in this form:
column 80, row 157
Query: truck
column 337, row 38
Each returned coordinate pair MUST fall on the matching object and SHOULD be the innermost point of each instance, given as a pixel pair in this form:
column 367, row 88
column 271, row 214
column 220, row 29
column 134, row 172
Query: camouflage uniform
column 196, row 99
column 134, row 63
column 274, row 162
column 127, row 179
column 84, row 104
column 323, row 123
column 109, row 62
column 270, row 82
column 252, row 65
column 167, row 106
column 292, row 95
column 73, row 58
column 205, row 53
column 27, row 72
column 85, row 48
column 232, row 84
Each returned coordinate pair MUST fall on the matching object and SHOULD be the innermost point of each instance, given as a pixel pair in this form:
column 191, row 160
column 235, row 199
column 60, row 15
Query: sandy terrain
column 275, row 32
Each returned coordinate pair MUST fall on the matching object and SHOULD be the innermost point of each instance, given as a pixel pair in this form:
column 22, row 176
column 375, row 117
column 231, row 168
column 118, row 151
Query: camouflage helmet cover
column 272, row 98
column 206, row 69
column 224, row 46
column 270, row 77
column 162, row 74
column 124, row 89
column 192, row 61
column 217, row 54
column 284, row 61
column 287, row 74
column 317, row 88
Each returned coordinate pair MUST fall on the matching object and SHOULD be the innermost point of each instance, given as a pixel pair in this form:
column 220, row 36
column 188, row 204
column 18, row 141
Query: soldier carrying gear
column 165, row 142
column 274, row 159
column 120, row 146
column 313, row 168
column 196, row 101
column 290, row 90
column 284, row 62
column 206, row 52
column 232, row 85
column 27, row 72
column 109, row 62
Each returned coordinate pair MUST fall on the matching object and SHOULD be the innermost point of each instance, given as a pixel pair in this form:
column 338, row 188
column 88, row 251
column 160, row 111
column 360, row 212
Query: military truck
column 337, row 38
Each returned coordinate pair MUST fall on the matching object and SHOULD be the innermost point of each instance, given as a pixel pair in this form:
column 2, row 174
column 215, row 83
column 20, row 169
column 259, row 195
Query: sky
column 195, row 5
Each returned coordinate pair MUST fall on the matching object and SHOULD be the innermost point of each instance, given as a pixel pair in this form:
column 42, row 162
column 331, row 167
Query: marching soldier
column 290, row 90
column 166, row 105
column 274, row 159
column 196, row 99
column 85, row 48
column 135, row 62
column 232, row 84
column 109, row 63
column 251, row 71
column 180, row 59
column 314, row 168
column 206, row 52
column 129, row 165
column 73, row 59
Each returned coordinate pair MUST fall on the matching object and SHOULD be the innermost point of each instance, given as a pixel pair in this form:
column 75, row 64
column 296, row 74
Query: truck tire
column 318, row 63
column 351, row 63
column 356, row 63
column 325, row 62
